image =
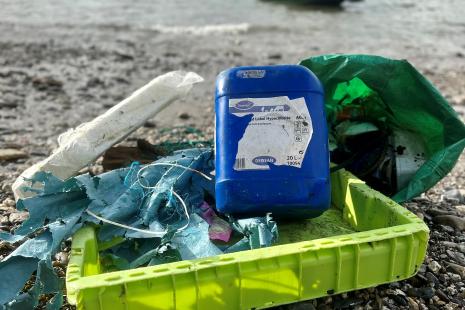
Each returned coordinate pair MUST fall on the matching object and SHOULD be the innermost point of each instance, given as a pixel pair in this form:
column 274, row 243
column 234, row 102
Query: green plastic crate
column 389, row 245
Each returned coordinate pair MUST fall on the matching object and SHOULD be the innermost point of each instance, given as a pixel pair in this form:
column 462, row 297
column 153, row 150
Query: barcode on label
column 240, row 163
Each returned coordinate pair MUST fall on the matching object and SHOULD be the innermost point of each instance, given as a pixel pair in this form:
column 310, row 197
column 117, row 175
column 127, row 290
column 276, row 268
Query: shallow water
column 420, row 19
column 393, row 26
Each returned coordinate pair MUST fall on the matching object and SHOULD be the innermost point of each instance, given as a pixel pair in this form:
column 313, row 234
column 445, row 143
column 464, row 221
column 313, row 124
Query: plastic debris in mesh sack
column 388, row 124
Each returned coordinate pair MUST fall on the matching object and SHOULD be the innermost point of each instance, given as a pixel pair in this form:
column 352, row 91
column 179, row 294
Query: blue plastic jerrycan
column 271, row 142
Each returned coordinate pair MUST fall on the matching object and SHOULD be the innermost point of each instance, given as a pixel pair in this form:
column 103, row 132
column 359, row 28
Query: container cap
column 266, row 79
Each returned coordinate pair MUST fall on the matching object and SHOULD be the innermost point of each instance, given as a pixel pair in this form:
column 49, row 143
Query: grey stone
column 450, row 220
column 421, row 292
column 11, row 154
column 455, row 195
column 455, row 268
column 434, row 266
column 412, row 304
column 18, row 217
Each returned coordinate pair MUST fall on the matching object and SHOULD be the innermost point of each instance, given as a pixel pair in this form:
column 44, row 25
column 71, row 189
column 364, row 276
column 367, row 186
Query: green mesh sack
column 392, row 94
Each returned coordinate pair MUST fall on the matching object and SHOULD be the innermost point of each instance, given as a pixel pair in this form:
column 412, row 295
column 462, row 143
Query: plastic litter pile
column 162, row 206
column 163, row 211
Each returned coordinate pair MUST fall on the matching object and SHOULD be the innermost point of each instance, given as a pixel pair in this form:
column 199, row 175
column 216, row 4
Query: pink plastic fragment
column 207, row 212
column 219, row 230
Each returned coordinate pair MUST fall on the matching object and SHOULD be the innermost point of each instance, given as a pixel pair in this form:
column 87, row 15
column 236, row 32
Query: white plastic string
column 169, row 164
column 145, row 231
column 150, row 232
column 185, row 210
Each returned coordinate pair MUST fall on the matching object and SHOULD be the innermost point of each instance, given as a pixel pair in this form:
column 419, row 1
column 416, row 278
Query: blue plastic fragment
column 194, row 242
column 56, row 302
column 46, row 282
column 261, row 231
column 18, row 269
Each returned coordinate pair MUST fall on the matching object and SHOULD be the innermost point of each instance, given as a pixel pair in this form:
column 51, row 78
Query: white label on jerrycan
column 279, row 132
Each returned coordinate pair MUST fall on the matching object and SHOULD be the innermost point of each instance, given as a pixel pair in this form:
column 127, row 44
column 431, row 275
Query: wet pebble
column 9, row 203
column 11, row 154
column 450, row 220
column 18, row 217
column 455, row 277
column 421, row 292
column 62, row 258
column 458, row 102
column 5, row 246
column 460, row 209
column 123, row 56
column 458, row 269
column 412, row 304
column 437, row 212
column 447, row 229
column 434, row 266
column 9, row 101
column 444, row 278
column 432, row 279
column 46, row 83
column 451, row 290
column 149, row 124
column 454, row 195
column 306, row 305
column 347, row 303
column 275, row 56
column 399, row 299
column 170, row 54
column 457, row 256
column 442, row 295
column 4, row 220
column 422, row 268
column 93, row 82
column 4, row 207
column 420, row 215
column 458, row 246
column 184, row 115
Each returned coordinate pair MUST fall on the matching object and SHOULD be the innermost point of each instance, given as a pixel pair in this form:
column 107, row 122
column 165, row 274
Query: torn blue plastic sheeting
column 169, row 255
column 55, row 302
column 112, row 262
column 132, row 249
column 38, row 248
column 261, row 231
column 32, row 255
column 59, row 210
column 144, row 258
column 44, row 182
column 194, row 241
column 260, row 236
column 140, row 197
column 241, row 245
column 49, row 209
column 10, row 238
column 46, row 282
column 141, row 207
column 18, row 268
